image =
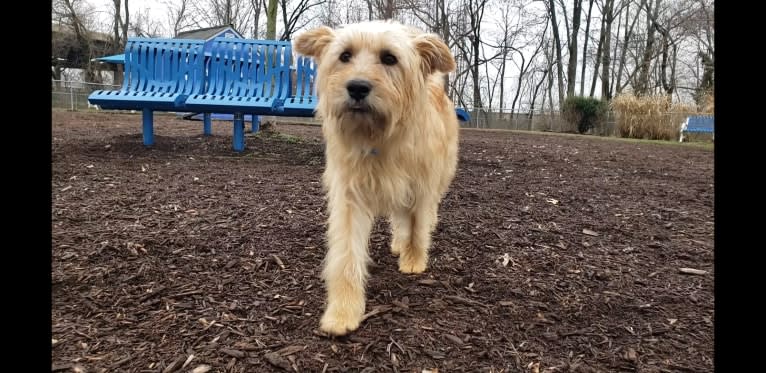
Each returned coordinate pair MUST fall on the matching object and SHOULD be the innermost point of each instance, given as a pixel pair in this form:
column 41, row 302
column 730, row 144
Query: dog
column 391, row 137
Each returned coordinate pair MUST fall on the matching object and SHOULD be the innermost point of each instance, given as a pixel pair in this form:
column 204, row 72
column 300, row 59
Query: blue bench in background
column 463, row 115
column 239, row 78
column 304, row 100
column 244, row 77
column 697, row 124
column 159, row 76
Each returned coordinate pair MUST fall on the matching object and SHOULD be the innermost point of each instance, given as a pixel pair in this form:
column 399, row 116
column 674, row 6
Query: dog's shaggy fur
column 391, row 138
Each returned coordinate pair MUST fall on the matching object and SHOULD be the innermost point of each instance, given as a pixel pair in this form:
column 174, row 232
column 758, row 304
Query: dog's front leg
column 345, row 271
column 412, row 236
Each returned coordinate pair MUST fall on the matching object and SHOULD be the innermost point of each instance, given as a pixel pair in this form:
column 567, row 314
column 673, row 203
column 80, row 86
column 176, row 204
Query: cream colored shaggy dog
column 391, row 149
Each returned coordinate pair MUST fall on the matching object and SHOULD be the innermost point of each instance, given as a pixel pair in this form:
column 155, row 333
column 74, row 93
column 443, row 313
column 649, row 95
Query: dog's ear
column 435, row 55
column 312, row 43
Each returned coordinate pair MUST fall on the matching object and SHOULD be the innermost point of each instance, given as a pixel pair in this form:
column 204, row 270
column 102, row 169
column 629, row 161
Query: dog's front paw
column 411, row 264
column 338, row 324
column 396, row 249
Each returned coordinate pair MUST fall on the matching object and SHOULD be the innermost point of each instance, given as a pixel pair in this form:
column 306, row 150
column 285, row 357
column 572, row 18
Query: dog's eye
column 388, row 59
column 345, row 56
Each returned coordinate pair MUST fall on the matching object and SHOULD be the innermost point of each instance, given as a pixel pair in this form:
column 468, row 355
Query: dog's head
column 373, row 74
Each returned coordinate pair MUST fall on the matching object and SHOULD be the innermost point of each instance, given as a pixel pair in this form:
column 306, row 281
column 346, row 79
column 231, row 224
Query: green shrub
column 584, row 112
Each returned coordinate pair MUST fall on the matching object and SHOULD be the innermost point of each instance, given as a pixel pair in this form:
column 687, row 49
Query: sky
column 157, row 10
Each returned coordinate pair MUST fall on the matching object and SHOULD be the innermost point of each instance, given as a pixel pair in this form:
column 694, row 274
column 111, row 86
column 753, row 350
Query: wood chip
column 175, row 365
column 692, row 271
column 278, row 261
column 589, row 232
column 276, row 360
column 289, row 350
column 233, row 353
column 454, row 339
column 201, row 369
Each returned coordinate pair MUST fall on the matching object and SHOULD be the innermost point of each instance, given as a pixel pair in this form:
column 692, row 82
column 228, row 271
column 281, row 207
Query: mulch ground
column 553, row 254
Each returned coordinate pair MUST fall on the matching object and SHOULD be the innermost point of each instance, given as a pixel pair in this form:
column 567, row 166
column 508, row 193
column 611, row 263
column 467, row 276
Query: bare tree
column 597, row 59
column 180, row 16
column 237, row 13
column 585, row 48
column 475, row 9
column 271, row 20
column 572, row 66
column 382, row 9
column 119, row 36
column 523, row 69
column 329, row 14
column 434, row 16
column 625, row 47
column 641, row 84
column 557, row 46
column 605, row 63
column 545, row 72
column 298, row 13
column 74, row 16
column 145, row 26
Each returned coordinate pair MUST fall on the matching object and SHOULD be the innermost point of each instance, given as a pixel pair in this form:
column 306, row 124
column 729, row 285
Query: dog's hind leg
column 345, row 267
column 413, row 258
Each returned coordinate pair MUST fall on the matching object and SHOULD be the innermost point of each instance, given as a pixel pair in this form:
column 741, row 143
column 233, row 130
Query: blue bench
column 159, row 76
column 244, row 77
column 697, row 124
column 463, row 115
column 304, row 100
column 238, row 77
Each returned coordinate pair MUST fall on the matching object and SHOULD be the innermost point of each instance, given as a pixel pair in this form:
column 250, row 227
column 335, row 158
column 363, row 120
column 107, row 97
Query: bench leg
column 207, row 129
column 256, row 124
column 239, row 132
column 148, row 127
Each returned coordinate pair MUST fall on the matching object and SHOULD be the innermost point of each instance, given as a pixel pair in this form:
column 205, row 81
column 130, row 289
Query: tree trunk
column 605, row 63
column 502, row 84
column 613, row 68
column 642, row 84
column 534, row 95
column 599, row 50
column 369, row 10
column 125, row 22
column 444, row 23
column 256, row 4
column 476, row 14
column 228, row 21
column 585, row 50
column 117, row 41
column 388, row 9
column 572, row 66
column 624, row 54
column 550, row 93
column 271, row 20
column 518, row 90
column 557, row 46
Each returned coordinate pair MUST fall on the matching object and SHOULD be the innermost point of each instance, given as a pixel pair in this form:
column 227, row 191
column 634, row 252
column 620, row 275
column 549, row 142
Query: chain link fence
column 542, row 121
column 73, row 95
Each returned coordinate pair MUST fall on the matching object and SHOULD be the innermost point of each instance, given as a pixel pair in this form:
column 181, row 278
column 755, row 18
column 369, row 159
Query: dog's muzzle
column 358, row 89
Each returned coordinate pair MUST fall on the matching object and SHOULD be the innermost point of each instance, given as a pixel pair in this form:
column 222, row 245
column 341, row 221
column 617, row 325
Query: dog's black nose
column 358, row 89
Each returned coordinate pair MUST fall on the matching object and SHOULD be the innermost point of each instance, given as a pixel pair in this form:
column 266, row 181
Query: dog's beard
column 360, row 119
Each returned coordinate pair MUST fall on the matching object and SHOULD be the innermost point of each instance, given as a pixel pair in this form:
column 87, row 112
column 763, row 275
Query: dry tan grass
column 708, row 103
column 649, row 117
